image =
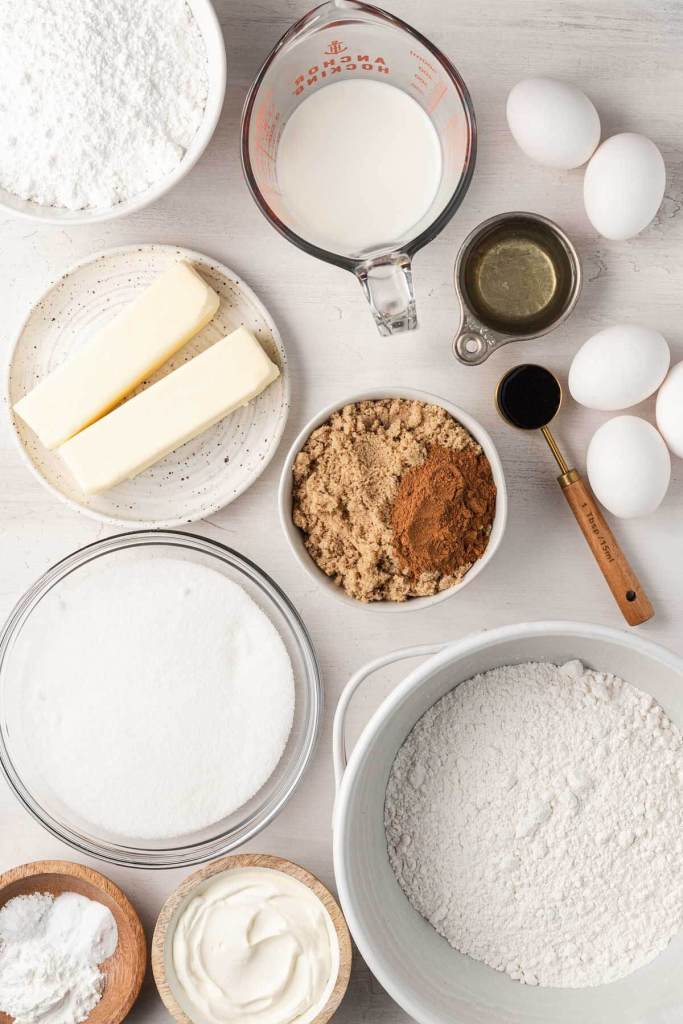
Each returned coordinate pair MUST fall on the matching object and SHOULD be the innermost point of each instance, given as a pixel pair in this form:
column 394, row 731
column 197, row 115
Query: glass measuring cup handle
column 387, row 283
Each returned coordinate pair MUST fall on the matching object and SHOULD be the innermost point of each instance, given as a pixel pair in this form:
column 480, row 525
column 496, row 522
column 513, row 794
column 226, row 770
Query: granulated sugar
column 98, row 99
column 534, row 816
column 160, row 699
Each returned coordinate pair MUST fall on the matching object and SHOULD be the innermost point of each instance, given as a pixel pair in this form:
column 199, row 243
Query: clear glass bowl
column 22, row 631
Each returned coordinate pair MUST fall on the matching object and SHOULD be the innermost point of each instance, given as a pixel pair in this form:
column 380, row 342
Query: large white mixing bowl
column 429, row 979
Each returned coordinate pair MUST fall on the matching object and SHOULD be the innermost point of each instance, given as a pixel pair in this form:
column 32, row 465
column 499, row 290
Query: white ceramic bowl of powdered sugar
column 111, row 104
column 508, row 832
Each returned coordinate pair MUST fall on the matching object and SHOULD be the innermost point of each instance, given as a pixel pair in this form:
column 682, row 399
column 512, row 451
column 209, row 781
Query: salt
column 160, row 700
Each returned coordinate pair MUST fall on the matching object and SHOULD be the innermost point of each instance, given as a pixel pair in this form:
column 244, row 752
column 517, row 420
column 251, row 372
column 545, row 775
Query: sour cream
column 255, row 945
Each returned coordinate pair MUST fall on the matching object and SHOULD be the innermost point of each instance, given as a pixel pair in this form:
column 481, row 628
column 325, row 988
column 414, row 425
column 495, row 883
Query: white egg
column 553, row 122
column 628, row 466
column 624, row 185
column 670, row 410
column 619, row 367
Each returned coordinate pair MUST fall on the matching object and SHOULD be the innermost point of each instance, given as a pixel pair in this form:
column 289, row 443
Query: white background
column 628, row 56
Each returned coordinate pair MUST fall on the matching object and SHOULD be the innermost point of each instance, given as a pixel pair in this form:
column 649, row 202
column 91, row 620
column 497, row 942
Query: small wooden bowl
column 168, row 918
column 125, row 968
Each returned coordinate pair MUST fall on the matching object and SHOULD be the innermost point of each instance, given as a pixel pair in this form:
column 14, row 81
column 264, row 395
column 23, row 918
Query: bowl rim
column 293, row 534
column 183, row 854
column 217, row 73
column 165, row 926
column 102, row 884
column 202, row 262
column 469, row 644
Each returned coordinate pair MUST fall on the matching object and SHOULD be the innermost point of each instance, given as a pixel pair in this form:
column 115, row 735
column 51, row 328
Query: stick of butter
column 119, row 357
column 167, row 414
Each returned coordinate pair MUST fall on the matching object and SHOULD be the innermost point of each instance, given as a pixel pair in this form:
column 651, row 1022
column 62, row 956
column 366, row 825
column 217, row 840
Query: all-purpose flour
column 160, row 698
column 99, row 99
column 534, row 816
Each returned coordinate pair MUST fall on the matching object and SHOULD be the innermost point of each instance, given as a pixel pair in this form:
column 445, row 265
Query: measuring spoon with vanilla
column 529, row 397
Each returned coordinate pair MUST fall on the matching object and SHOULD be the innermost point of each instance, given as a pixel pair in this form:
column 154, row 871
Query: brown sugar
column 345, row 482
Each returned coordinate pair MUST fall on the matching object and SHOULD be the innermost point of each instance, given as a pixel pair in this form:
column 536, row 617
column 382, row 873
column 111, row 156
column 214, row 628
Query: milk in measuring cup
column 358, row 165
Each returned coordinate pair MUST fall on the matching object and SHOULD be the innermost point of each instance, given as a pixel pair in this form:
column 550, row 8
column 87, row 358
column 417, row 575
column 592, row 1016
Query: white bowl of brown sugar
column 394, row 499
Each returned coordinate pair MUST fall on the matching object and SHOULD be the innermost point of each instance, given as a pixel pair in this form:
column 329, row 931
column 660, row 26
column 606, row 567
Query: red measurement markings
column 267, row 120
column 435, row 97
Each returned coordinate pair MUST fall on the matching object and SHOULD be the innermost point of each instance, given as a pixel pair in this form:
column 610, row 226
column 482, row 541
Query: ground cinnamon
column 443, row 512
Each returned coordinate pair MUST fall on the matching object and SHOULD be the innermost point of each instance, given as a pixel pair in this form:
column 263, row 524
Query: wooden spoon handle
column 621, row 579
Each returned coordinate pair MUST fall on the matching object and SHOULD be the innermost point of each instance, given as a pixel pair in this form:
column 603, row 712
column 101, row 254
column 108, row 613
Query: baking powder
column 534, row 817
column 49, row 952
column 97, row 100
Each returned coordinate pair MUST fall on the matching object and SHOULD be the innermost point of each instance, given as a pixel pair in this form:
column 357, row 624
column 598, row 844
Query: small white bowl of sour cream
column 215, row 919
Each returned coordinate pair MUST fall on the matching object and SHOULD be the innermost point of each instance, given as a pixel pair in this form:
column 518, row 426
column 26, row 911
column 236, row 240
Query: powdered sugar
column 49, row 952
column 160, row 699
column 98, row 100
column 534, row 816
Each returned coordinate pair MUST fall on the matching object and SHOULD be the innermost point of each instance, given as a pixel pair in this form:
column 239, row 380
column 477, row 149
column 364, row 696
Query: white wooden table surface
column 628, row 55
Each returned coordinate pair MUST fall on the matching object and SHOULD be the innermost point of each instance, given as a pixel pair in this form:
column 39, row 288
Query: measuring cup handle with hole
column 474, row 343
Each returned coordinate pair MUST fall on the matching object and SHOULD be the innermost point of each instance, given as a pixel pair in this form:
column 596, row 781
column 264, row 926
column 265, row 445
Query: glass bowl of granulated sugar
column 159, row 699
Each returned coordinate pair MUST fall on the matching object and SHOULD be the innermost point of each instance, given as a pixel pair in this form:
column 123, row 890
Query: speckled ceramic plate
column 201, row 476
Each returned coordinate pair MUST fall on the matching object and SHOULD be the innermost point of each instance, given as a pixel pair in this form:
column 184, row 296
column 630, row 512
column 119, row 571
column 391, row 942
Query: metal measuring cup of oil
column 517, row 277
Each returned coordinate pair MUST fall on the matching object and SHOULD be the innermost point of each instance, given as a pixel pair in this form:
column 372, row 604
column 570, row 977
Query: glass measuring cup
column 343, row 40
